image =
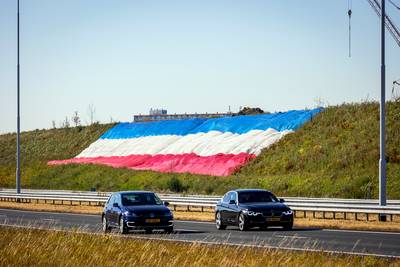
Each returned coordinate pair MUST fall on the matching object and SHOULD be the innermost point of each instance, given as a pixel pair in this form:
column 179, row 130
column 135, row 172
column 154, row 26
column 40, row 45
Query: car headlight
column 129, row 213
column 288, row 212
column 168, row 213
column 251, row 213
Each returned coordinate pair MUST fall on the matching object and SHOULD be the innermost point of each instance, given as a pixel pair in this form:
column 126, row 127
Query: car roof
column 251, row 190
column 136, row 191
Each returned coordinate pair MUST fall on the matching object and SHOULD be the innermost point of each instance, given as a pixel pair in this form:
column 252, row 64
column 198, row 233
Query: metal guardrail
column 314, row 205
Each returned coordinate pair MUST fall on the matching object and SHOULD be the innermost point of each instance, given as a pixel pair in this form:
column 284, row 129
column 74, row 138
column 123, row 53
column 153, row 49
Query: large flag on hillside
column 216, row 146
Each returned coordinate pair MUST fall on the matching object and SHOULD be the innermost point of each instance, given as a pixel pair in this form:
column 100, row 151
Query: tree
column 76, row 119
column 250, row 111
column 65, row 123
column 53, row 123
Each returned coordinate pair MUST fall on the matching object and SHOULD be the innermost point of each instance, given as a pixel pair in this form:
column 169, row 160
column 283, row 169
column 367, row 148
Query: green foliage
column 334, row 155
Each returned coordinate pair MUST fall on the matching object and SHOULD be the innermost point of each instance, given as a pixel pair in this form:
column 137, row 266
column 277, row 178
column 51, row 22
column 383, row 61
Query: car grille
column 272, row 213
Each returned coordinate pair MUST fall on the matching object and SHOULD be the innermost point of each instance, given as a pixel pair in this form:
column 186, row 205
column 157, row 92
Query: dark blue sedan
column 136, row 210
column 249, row 208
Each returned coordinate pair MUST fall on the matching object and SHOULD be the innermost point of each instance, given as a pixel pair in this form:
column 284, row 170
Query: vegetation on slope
column 334, row 155
column 23, row 247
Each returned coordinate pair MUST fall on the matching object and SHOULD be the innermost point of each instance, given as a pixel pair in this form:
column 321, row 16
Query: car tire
column 243, row 225
column 288, row 226
column 106, row 227
column 169, row 230
column 148, row 231
column 218, row 222
column 122, row 226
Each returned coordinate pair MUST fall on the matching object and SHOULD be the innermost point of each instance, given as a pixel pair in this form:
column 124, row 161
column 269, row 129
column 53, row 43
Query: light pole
column 18, row 171
column 382, row 160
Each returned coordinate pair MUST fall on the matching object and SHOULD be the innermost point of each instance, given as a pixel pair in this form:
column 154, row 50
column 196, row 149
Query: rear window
column 133, row 199
column 256, row 196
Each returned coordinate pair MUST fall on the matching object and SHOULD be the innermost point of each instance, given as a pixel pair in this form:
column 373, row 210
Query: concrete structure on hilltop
column 162, row 115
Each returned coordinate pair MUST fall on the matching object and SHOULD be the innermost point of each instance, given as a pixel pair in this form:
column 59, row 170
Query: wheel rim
column 121, row 225
column 241, row 222
column 218, row 220
column 104, row 224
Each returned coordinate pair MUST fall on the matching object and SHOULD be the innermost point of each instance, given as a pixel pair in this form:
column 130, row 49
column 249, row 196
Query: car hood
column 264, row 206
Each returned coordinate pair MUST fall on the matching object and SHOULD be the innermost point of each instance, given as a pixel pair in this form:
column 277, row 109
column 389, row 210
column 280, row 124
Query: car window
column 256, row 196
column 226, row 198
column 133, row 199
column 117, row 199
column 232, row 196
column 111, row 200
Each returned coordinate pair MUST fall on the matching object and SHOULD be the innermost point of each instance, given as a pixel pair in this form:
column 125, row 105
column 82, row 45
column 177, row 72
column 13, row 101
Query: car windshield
column 134, row 199
column 260, row 196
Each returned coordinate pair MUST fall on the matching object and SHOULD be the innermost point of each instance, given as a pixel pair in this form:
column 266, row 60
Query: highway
column 313, row 239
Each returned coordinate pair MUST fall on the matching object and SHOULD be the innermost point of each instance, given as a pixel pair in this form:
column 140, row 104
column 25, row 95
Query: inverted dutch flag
column 217, row 146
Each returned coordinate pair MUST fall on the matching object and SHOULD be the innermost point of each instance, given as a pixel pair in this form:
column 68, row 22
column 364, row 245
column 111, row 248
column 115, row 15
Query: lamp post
column 382, row 160
column 18, row 171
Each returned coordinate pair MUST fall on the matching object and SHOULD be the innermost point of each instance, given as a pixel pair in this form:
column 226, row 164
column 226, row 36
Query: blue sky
column 124, row 57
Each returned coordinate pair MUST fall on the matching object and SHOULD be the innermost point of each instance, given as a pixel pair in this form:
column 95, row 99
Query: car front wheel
column 218, row 222
column 288, row 226
column 106, row 228
column 242, row 222
column 122, row 227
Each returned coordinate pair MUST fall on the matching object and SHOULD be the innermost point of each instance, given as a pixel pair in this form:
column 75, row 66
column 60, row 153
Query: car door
column 115, row 211
column 232, row 208
column 108, row 211
column 224, row 208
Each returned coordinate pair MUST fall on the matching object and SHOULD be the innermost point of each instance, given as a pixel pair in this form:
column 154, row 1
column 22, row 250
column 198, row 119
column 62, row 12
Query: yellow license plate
column 274, row 219
column 152, row 220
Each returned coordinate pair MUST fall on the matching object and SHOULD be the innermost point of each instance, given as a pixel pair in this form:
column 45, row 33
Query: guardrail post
column 305, row 214
column 323, row 214
column 345, row 215
column 367, row 215
column 391, row 217
column 174, row 207
column 334, row 215
column 188, row 208
column 313, row 214
column 356, row 216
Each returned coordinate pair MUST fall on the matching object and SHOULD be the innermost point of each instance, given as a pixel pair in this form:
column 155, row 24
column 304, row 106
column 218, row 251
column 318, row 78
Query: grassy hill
column 334, row 155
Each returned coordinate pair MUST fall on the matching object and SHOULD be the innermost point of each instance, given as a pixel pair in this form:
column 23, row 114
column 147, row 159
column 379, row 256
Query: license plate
column 273, row 219
column 152, row 220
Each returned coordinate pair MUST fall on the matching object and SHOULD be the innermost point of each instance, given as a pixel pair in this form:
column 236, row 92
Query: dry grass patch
column 27, row 247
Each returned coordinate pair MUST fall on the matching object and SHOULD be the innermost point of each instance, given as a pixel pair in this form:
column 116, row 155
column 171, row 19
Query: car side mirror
column 115, row 205
column 281, row 200
column 231, row 202
column 166, row 203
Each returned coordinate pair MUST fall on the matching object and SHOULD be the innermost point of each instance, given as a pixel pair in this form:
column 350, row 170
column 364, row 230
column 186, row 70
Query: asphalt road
column 342, row 241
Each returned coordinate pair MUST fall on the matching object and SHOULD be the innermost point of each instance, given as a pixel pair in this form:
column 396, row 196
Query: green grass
column 27, row 247
column 334, row 155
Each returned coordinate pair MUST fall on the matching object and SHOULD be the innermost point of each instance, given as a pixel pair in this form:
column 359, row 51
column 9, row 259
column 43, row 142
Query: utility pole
column 382, row 160
column 18, row 171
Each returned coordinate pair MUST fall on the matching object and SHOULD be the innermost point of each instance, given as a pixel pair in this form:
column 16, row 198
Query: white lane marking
column 217, row 243
column 194, row 222
column 49, row 212
column 51, row 220
column 188, row 230
column 360, row 231
column 290, row 236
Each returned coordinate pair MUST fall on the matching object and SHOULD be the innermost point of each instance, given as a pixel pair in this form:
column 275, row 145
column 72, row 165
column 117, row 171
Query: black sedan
column 136, row 210
column 248, row 208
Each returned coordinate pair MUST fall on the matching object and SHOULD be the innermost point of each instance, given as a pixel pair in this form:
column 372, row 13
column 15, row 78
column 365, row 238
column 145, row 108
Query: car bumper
column 269, row 220
column 143, row 223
